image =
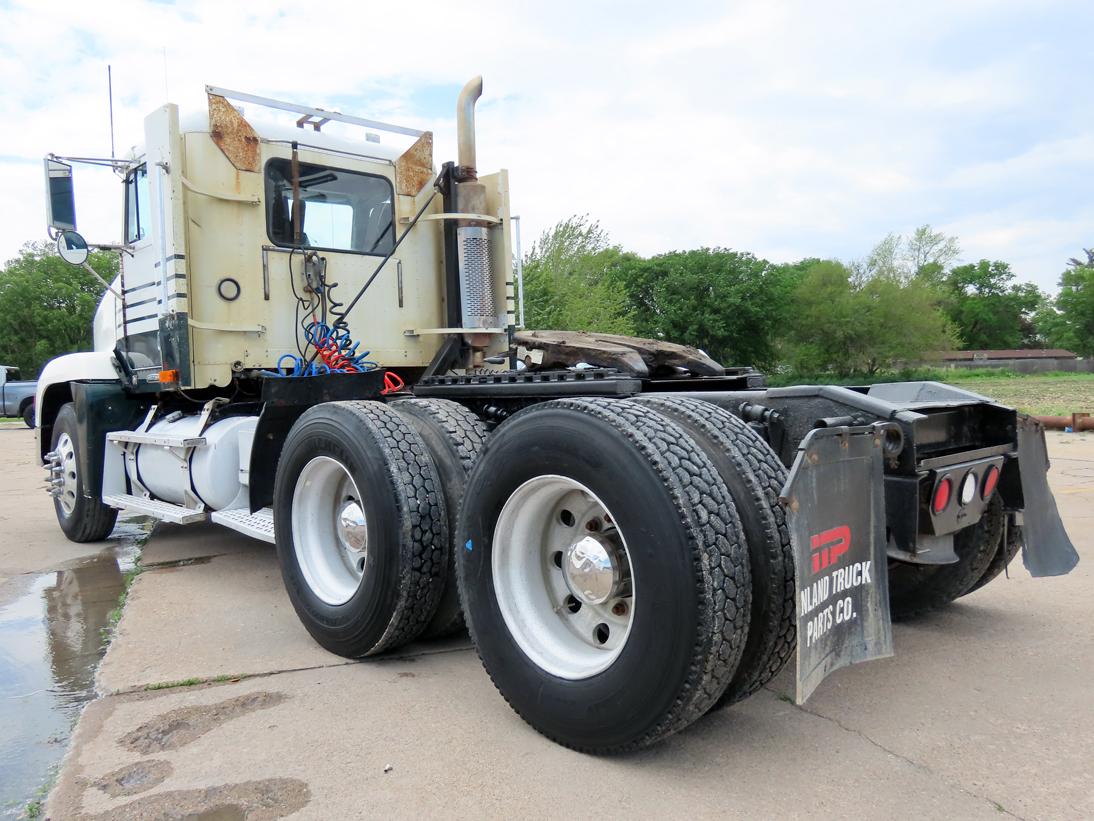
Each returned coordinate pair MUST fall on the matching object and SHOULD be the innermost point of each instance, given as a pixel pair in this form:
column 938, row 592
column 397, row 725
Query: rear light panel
column 959, row 495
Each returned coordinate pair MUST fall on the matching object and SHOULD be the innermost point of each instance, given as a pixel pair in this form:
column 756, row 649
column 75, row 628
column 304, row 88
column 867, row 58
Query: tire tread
column 772, row 630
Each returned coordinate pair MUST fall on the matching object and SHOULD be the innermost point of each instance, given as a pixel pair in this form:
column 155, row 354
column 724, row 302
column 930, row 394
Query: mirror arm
column 109, row 246
column 108, row 162
column 106, row 284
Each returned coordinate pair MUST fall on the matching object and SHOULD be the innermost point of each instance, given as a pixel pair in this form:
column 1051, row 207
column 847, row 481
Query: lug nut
column 619, row 608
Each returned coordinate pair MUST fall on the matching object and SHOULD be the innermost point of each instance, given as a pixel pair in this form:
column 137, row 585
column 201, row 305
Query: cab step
column 259, row 525
column 164, row 511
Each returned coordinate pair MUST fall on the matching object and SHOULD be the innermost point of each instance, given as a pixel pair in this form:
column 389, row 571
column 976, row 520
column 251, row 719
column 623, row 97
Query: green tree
column 927, row 252
column 572, row 279
column 47, row 305
column 1072, row 324
column 924, row 254
column 847, row 322
column 988, row 308
column 727, row 303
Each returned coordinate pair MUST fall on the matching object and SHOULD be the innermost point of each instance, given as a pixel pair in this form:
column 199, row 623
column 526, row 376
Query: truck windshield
column 341, row 210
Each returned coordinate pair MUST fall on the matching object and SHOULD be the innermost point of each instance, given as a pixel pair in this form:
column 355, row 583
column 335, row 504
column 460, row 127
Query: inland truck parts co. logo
column 827, row 549
column 828, row 546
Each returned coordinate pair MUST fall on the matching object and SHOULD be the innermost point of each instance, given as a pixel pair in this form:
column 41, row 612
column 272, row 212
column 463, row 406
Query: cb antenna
column 110, row 98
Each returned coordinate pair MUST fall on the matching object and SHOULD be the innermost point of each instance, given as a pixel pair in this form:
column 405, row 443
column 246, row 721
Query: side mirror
column 72, row 247
column 60, row 196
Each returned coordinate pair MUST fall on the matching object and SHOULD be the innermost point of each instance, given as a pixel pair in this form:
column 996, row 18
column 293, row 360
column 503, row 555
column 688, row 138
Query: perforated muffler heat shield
column 479, row 304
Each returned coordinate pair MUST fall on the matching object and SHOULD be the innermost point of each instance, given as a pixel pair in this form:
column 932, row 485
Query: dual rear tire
column 982, row 554
column 622, row 567
column 365, row 501
column 607, row 573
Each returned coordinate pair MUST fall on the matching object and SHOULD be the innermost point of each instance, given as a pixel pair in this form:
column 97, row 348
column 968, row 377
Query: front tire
column 82, row 516
column 28, row 415
column 361, row 527
column 604, row 573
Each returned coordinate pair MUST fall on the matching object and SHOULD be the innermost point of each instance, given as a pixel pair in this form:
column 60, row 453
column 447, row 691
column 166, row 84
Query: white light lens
column 968, row 488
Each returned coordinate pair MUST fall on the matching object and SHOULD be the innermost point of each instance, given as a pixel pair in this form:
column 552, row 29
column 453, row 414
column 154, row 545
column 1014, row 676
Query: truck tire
column 604, row 573
column 361, row 527
column 755, row 477
column 82, row 517
column 1009, row 548
column 915, row 590
column 454, row 436
column 28, row 415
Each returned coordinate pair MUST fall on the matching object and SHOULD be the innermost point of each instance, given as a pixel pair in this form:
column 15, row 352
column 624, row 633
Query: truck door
column 152, row 322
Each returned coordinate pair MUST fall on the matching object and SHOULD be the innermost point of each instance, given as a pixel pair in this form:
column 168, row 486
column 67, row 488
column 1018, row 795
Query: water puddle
column 53, row 630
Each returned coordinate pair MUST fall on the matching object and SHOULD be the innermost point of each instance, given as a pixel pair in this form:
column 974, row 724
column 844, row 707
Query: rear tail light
column 942, row 493
column 968, row 488
column 991, row 479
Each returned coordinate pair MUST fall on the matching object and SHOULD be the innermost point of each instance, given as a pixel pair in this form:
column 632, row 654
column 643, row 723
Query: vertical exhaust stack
column 477, row 298
column 465, row 128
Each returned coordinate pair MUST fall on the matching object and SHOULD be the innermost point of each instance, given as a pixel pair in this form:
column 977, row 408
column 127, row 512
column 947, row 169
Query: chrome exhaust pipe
column 465, row 128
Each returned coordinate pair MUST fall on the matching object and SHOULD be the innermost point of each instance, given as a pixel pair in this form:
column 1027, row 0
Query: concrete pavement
column 984, row 711
column 56, row 598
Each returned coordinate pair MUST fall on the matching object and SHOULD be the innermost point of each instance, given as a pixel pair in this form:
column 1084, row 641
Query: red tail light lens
column 942, row 493
column 991, row 479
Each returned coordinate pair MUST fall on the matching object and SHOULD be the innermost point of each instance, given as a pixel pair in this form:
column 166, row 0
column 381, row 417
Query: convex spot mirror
column 60, row 196
column 72, row 247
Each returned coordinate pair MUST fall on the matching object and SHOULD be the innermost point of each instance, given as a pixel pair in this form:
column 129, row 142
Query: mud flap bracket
column 835, row 500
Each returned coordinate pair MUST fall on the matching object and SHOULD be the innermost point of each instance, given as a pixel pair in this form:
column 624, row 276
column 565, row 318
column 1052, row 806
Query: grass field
column 1040, row 395
column 1048, row 394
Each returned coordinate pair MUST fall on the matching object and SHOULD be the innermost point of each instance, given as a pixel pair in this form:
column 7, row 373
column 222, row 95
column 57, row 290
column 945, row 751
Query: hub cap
column 352, row 529
column 591, row 570
column 329, row 530
column 65, row 470
column 562, row 577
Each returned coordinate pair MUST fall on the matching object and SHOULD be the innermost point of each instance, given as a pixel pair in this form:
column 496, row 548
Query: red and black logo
column 829, row 546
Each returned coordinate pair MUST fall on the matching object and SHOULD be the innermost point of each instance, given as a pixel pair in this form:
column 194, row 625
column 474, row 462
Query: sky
column 785, row 129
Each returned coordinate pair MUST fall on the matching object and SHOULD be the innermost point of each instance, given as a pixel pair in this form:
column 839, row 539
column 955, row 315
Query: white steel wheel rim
column 66, row 460
column 329, row 530
column 544, row 517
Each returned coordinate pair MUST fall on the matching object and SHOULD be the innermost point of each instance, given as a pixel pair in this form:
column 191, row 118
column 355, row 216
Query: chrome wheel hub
column 329, row 530
column 352, row 527
column 562, row 577
column 63, row 483
column 591, row 569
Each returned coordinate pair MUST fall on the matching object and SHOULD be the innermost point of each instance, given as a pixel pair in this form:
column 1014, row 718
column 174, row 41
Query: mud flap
column 1048, row 550
column 835, row 500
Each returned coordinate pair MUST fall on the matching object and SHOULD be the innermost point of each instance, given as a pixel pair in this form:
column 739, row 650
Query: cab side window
column 339, row 210
column 138, row 211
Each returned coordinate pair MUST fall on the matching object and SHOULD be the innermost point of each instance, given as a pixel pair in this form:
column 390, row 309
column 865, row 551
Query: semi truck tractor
column 316, row 339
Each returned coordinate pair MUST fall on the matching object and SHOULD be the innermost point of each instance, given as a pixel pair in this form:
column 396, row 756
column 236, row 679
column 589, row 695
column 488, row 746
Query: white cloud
column 787, row 129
